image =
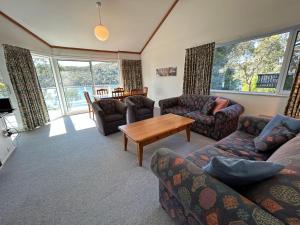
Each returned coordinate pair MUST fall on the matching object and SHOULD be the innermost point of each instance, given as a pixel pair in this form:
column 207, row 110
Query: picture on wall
column 168, row 71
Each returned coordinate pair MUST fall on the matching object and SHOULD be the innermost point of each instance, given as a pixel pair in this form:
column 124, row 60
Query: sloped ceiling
column 70, row 23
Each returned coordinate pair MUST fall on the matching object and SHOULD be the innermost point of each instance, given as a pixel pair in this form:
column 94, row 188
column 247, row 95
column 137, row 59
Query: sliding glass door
column 47, row 82
column 106, row 75
column 76, row 78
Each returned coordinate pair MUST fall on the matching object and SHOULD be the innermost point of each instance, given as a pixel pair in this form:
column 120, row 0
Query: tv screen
column 5, row 105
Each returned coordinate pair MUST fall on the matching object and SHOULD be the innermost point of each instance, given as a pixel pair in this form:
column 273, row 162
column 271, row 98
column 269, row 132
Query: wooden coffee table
column 150, row 130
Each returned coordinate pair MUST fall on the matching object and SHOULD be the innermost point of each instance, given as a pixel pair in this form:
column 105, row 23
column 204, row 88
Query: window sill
column 251, row 93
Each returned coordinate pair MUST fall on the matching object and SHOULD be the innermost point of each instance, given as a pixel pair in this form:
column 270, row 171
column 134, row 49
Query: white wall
column 196, row 22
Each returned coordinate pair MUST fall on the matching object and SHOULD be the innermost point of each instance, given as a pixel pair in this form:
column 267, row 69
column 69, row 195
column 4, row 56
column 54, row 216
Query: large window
column 76, row 78
column 250, row 66
column 293, row 66
column 80, row 76
column 47, row 83
column 106, row 75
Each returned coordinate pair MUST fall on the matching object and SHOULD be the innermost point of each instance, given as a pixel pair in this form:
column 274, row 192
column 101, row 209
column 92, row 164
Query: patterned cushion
column 179, row 110
column 280, row 195
column 108, row 106
column 273, row 139
column 208, row 106
column 241, row 144
column 200, row 117
column 202, row 156
column 193, row 102
column 220, row 104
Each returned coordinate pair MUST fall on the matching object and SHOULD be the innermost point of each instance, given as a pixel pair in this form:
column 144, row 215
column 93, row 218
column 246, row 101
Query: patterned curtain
column 132, row 74
column 293, row 107
column 197, row 69
column 26, row 87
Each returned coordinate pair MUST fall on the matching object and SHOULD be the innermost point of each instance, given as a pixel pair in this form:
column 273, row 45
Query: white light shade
column 101, row 32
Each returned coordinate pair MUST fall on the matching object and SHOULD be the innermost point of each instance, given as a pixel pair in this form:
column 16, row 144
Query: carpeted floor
column 66, row 173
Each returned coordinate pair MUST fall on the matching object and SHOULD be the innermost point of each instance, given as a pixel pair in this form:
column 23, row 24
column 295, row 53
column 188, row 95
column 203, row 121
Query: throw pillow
column 289, row 122
column 108, row 106
column 221, row 103
column 208, row 106
column 238, row 172
column 274, row 139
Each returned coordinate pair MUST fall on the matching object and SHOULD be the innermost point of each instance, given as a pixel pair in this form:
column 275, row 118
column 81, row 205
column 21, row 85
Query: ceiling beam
column 85, row 49
column 159, row 25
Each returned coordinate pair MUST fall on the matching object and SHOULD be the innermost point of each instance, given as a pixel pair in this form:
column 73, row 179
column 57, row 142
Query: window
column 47, row 83
column 293, row 66
column 250, row 66
column 76, row 78
column 106, row 75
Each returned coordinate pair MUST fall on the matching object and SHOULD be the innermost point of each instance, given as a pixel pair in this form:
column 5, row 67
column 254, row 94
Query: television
column 5, row 105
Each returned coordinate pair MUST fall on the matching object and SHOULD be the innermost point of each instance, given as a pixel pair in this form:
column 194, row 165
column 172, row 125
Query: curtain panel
column 293, row 107
column 26, row 87
column 132, row 74
column 198, row 69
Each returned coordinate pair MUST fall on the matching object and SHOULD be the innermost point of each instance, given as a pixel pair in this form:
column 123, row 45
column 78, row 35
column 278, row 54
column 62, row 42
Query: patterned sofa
column 191, row 196
column 215, row 126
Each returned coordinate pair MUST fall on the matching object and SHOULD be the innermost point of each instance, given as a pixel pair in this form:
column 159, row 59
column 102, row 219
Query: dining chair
column 102, row 92
column 145, row 91
column 136, row 91
column 118, row 95
column 119, row 89
column 89, row 103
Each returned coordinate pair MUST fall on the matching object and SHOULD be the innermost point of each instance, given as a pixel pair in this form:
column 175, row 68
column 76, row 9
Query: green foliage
column 236, row 67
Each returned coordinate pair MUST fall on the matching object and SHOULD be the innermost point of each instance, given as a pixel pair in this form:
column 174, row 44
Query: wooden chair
column 119, row 89
column 89, row 103
column 102, row 92
column 118, row 95
column 136, row 92
column 145, row 91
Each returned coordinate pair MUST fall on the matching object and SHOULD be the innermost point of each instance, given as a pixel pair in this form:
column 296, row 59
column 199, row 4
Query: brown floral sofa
column 191, row 196
column 215, row 126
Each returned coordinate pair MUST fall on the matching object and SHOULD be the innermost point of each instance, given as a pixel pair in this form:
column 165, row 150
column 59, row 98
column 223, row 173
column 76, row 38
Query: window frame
column 285, row 64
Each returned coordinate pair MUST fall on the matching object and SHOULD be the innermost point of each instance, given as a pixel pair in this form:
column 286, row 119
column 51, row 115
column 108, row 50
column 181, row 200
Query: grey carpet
column 83, row 178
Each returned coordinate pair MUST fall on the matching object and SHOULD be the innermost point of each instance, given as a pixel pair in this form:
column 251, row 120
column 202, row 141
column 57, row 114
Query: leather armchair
column 139, row 108
column 110, row 114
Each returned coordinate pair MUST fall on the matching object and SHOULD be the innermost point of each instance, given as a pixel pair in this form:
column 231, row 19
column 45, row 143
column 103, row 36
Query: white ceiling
column 70, row 23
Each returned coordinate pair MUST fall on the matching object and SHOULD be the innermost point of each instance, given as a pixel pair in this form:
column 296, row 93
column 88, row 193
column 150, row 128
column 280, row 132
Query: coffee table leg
column 188, row 133
column 139, row 152
column 125, row 142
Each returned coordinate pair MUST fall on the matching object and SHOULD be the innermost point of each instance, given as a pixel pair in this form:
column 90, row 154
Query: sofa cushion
column 276, row 137
column 208, row 106
column 239, row 172
column 108, row 106
column 113, row 117
column 179, row 110
column 143, row 111
column 193, row 102
column 280, row 195
column 241, row 144
column 220, row 104
column 200, row 117
column 138, row 101
column 291, row 123
column 202, row 156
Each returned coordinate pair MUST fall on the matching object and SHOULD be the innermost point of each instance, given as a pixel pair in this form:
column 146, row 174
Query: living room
column 149, row 112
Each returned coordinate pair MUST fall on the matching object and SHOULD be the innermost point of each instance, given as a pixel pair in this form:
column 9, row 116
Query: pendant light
column 101, row 32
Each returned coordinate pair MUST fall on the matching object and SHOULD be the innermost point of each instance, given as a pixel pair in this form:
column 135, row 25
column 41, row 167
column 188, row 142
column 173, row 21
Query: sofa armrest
column 229, row 113
column 98, row 110
column 121, row 107
column 206, row 198
column 252, row 125
column 167, row 103
column 149, row 103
